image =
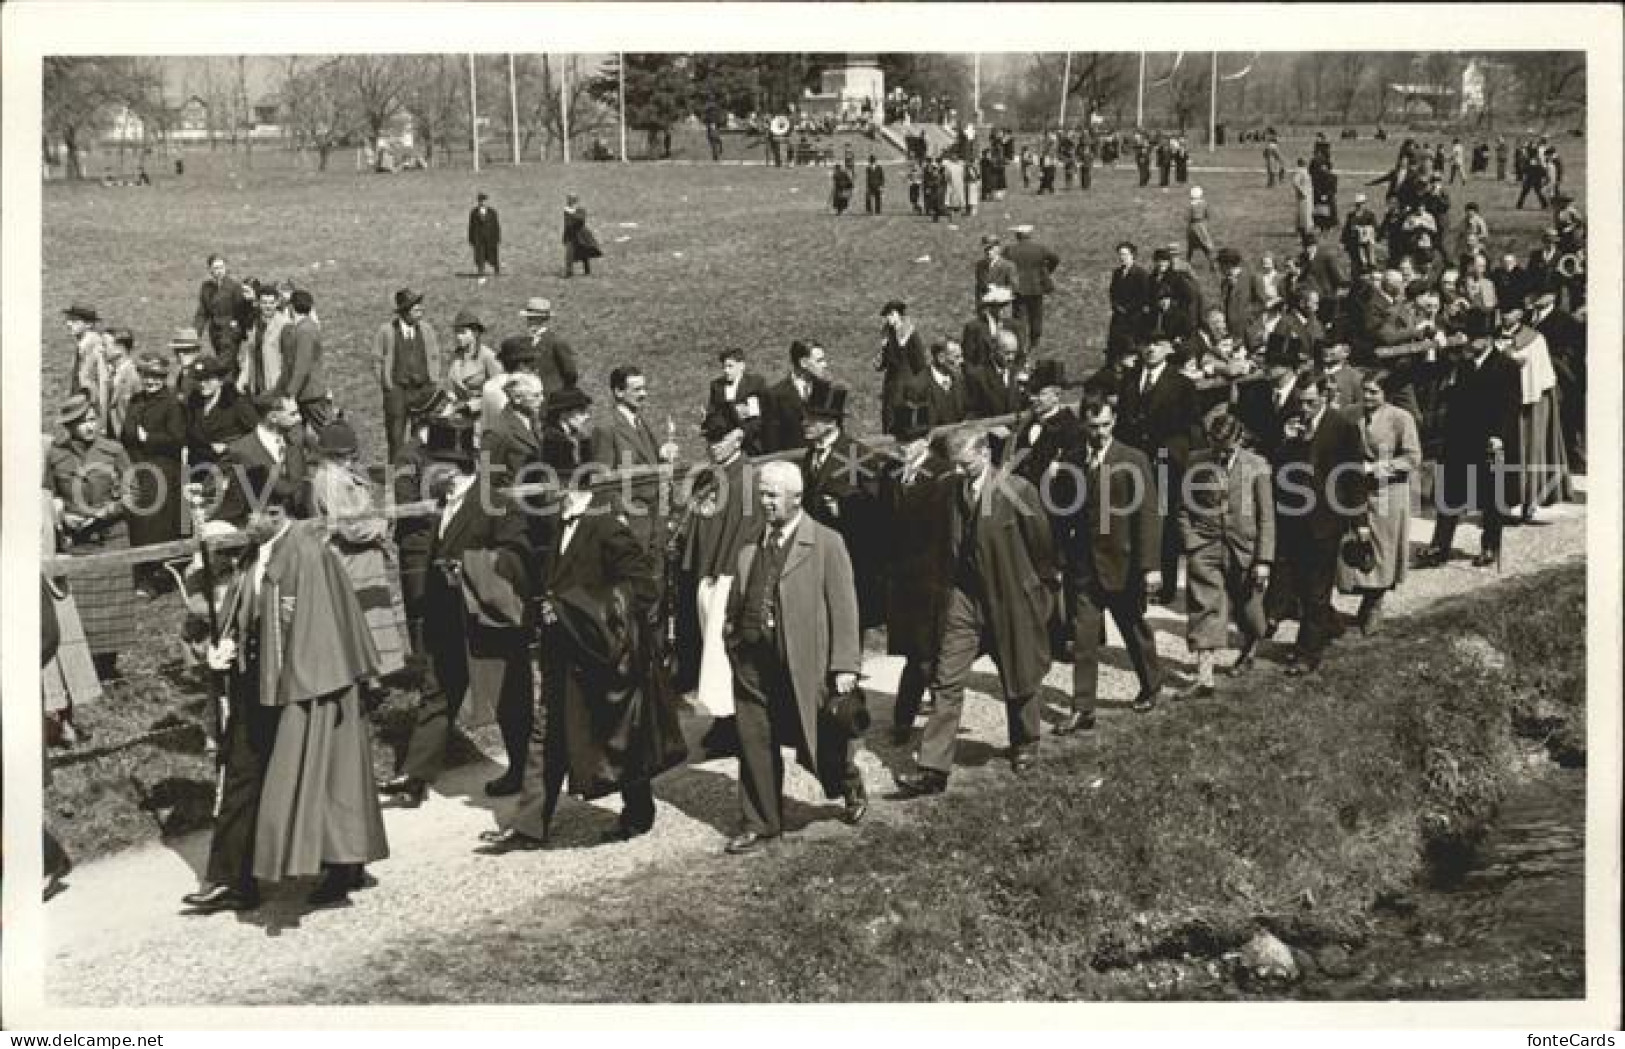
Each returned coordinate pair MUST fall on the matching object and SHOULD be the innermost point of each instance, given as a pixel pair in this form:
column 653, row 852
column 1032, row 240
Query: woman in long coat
column 319, row 810
column 579, row 243
column 471, row 366
column 154, row 434
column 339, row 490
column 1393, row 455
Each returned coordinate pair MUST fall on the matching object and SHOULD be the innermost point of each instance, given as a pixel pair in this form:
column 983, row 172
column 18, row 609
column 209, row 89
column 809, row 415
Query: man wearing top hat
column 87, row 474
column 1035, row 267
column 793, row 639
column 477, row 572
column 89, row 374
column 901, row 356
column 838, row 489
column 406, row 354
column 556, row 361
column 915, row 510
column 154, row 434
column 485, row 236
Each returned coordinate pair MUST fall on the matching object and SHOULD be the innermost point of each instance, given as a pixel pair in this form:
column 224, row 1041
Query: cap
column 537, row 306
column 1196, row 192
column 152, row 365
column 468, row 319
column 207, row 368
column 74, row 409
column 990, row 239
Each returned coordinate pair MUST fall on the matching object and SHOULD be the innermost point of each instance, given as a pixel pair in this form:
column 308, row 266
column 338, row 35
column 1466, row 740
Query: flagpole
column 621, row 62
column 513, row 108
column 564, row 105
column 473, row 113
column 976, row 86
column 1213, row 107
column 1066, row 84
column 1139, row 98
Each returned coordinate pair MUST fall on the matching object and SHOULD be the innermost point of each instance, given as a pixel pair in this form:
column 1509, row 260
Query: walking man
column 1035, row 267
column 485, row 236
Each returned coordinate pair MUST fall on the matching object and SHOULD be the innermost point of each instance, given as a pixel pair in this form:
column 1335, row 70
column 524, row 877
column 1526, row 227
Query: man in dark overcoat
column 787, row 398
column 838, row 491
column 901, row 357
column 1004, row 582
column 476, row 615
column 1130, row 295
column 1159, row 414
column 1035, row 267
column 485, row 236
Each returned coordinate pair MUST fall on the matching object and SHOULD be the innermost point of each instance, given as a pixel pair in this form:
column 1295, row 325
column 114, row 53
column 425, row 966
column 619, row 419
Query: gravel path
column 116, row 938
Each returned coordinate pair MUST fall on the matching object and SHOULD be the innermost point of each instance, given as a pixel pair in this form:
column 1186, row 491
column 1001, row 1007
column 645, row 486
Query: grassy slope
column 762, row 262
column 1293, row 810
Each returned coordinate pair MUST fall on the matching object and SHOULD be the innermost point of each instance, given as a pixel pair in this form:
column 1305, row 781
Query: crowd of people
column 1273, row 432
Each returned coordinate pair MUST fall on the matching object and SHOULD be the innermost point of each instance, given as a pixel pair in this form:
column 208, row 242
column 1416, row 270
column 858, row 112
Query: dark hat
column 1309, row 237
column 337, row 438
column 433, row 402
column 1284, row 350
column 468, row 319
column 480, row 196
column 1229, row 257
column 911, row 421
column 719, row 422
column 82, row 311
column 406, row 298
column 1047, row 372
column 450, row 440
column 207, row 368
column 1162, row 255
column 826, row 401
column 894, row 306
column 990, row 239
column 569, row 399
column 516, row 349
column 152, row 365
column 74, row 409
column 1478, row 323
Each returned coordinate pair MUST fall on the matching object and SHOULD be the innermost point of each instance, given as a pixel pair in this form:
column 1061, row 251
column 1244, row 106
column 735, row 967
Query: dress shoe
column 1197, row 691
column 215, row 898
column 745, row 843
column 1484, row 559
column 502, row 842
column 1080, row 721
column 624, row 832
column 1146, row 701
column 334, row 891
column 1303, row 666
column 1241, row 667
column 410, row 790
column 1431, row 559
column 1023, row 760
column 856, row 806
column 504, row 786
column 918, row 784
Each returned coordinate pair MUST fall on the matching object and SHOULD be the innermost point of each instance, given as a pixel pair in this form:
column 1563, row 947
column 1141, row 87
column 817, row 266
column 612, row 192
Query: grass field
column 699, row 257
column 1118, row 869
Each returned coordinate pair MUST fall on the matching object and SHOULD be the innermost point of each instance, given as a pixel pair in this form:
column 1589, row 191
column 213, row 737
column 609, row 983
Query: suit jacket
column 1307, row 329
column 947, row 406
column 233, row 416
column 1387, row 322
column 1566, row 339
column 1481, row 403
column 980, row 344
column 1233, row 508
column 1034, row 265
column 986, row 395
column 750, row 385
column 619, row 444
column 782, row 416
column 1130, row 295
column 222, row 305
column 251, row 474
column 1313, row 471
column 1165, row 416
column 840, row 494
column 484, row 521
column 1114, row 535
column 484, row 230
column 383, row 352
column 557, row 366
column 511, row 445
column 1346, row 387
column 1057, row 436
column 1241, row 299
column 1171, row 323
column 1323, row 273
column 1541, row 273
column 1264, row 421
column 1180, row 286
column 916, row 514
column 302, row 376
column 1001, row 273
column 817, row 614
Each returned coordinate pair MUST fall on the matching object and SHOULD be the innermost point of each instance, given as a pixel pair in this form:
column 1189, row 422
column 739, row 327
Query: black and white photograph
column 812, row 505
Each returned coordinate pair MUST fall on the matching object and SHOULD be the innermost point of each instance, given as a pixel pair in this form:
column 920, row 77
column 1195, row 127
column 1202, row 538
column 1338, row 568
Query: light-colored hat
column 1196, row 192
column 1359, row 198
column 1023, row 230
column 184, row 339
column 537, row 307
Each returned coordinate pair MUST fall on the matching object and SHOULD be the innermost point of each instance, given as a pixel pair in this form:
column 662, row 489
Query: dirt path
column 116, row 937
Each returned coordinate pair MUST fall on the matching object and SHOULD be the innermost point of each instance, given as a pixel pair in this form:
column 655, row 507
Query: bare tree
column 1345, row 74
column 316, row 100
column 434, row 95
column 377, row 84
column 1188, row 89
column 82, row 94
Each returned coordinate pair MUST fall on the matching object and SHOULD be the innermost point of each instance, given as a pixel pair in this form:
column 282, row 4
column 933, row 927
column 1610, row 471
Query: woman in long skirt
column 1393, row 455
column 154, row 434
column 1544, row 473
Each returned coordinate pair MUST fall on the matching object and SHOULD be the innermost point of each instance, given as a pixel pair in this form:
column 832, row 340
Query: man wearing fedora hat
column 981, row 333
column 485, row 236
column 87, row 474
column 406, row 352
column 90, row 374
column 556, row 361
column 154, row 433
column 567, row 431
column 1035, row 268
column 477, row 572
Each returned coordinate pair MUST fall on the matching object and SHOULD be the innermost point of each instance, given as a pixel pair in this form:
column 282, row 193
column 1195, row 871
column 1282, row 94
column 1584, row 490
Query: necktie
column 1145, row 382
